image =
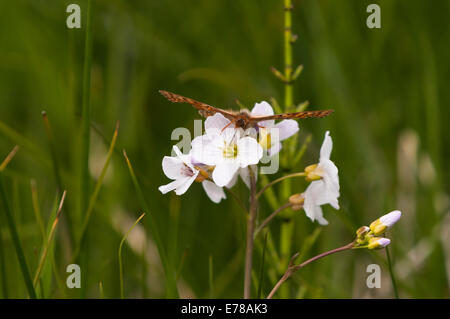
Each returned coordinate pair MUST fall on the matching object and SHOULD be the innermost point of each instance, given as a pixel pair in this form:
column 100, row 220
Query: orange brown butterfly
column 243, row 118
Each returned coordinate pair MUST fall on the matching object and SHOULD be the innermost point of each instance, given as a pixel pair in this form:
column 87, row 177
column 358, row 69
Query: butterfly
column 242, row 119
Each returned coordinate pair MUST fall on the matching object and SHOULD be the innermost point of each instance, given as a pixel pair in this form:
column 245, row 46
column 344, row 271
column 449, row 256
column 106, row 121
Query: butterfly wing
column 204, row 109
column 296, row 115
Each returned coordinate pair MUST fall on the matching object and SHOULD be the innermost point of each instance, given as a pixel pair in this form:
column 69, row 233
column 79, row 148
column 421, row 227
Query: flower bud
column 312, row 173
column 362, row 231
column 385, row 222
column 378, row 242
column 297, row 201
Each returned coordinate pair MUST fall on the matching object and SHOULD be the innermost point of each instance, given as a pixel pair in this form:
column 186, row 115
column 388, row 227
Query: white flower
column 286, row 128
column 213, row 127
column 324, row 189
column 182, row 170
column 225, row 149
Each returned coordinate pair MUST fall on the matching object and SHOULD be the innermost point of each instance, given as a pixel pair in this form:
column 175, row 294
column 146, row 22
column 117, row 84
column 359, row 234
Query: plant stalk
column 293, row 268
column 250, row 235
column 270, row 217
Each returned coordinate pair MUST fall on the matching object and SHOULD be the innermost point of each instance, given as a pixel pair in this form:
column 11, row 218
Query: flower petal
column 390, row 219
column 224, row 173
column 312, row 210
column 233, row 181
column 276, row 148
column 215, row 124
column 185, row 158
column 172, row 167
column 214, row 192
column 263, row 109
column 249, row 151
column 327, row 146
column 172, row 185
column 217, row 121
column 230, row 135
column 180, row 190
column 287, row 128
column 322, row 194
column 207, row 151
column 330, row 176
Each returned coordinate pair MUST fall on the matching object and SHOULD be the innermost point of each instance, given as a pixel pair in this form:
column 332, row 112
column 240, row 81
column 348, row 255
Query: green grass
column 388, row 88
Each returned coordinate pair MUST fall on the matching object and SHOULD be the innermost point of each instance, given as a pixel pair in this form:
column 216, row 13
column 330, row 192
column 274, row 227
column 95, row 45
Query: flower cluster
column 225, row 151
column 369, row 237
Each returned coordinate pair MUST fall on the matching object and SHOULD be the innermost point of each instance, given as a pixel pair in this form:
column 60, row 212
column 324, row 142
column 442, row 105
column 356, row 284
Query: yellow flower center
column 265, row 139
column 230, row 150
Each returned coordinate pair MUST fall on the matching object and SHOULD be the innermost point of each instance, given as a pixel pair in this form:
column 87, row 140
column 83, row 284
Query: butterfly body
column 242, row 119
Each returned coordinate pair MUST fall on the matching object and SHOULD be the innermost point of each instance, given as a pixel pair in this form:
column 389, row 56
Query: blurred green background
column 388, row 86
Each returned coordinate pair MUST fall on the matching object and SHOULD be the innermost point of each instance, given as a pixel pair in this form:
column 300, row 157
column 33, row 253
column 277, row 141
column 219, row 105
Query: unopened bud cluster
column 369, row 237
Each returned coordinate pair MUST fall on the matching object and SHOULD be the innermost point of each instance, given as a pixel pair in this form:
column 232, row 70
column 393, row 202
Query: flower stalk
column 301, row 174
column 271, row 217
column 292, row 268
column 250, row 236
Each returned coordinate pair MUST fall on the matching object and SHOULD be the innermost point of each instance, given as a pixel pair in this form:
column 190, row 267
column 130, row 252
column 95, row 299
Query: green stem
column 391, row 272
column 287, row 227
column 288, row 93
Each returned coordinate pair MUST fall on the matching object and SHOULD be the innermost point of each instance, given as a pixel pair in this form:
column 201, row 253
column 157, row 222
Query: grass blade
column 49, row 240
column 9, row 158
column 171, row 286
column 13, row 230
column 120, row 253
column 86, row 113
